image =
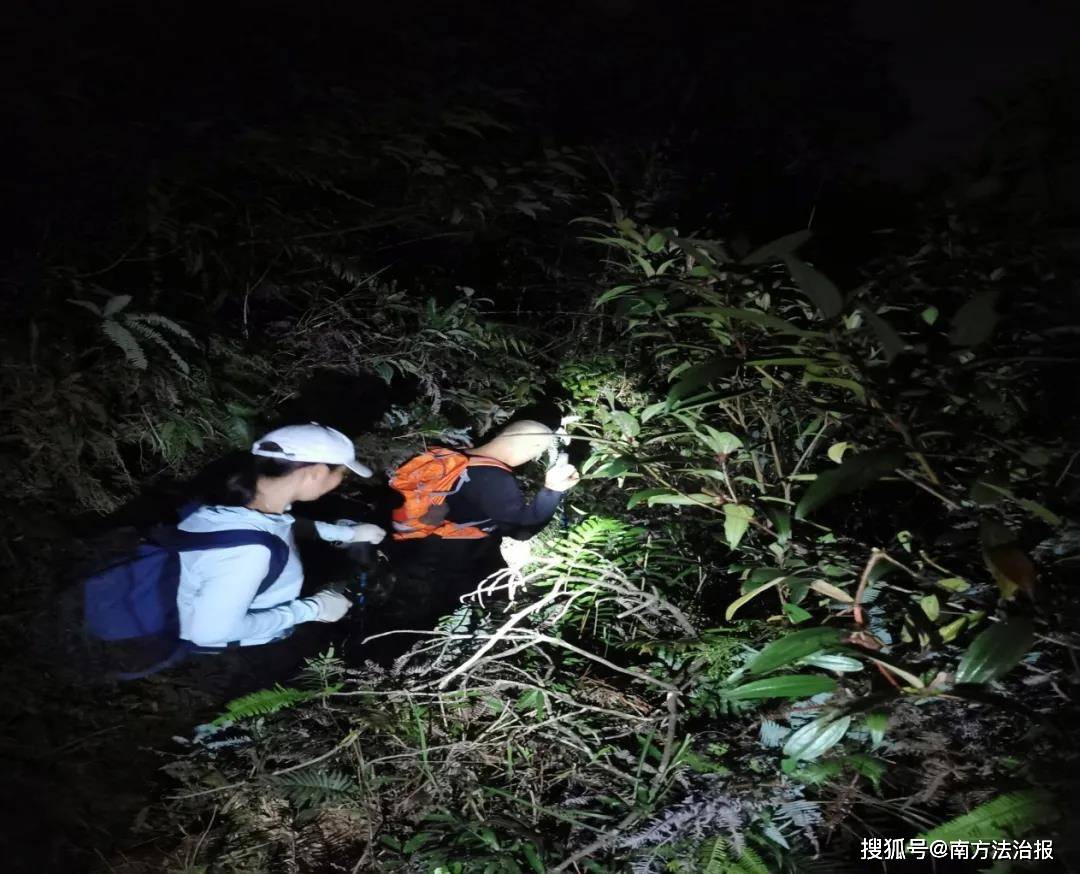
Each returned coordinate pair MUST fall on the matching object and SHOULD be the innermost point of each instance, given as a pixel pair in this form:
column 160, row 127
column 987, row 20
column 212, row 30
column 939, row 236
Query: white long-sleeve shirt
column 217, row 595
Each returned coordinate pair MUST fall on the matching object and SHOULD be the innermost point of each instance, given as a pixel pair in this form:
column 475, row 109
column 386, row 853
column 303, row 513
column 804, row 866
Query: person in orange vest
column 457, row 507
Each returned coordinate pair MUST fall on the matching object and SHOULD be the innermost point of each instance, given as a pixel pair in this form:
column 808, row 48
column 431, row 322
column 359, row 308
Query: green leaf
column 929, row 315
column 653, row 410
column 745, row 315
column 996, row 651
column 816, row 286
column 656, row 242
column 532, row 856
column 612, row 293
column 842, row 664
column 856, row 472
column 701, row 375
column 644, row 495
column 720, row 442
column 778, row 248
column 816, row 737
column 789, row 686
column 796, row 613
column 736, row 520
column 931, row 607
column 954, row 584
column 1007, row 816
column 876, row 723
column 974, row 322
column 612, row 469
column 793, row 646
column 696, row 499
column 753, row 593
column 836, row 451
column 627, row 423
column 850, row 384
column 891, row 343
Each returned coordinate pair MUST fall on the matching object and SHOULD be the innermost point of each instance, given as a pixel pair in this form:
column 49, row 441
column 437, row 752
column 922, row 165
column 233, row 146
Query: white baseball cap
column 316, row 443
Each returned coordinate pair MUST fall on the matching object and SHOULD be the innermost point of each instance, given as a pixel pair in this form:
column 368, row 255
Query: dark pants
column 431, row 575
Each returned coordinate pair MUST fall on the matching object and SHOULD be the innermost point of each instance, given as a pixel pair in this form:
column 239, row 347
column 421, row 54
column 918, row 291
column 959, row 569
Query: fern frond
column 127, row 343
column 152, row 335
column 165, row 323
column 311, row 788
column 263, row 702
column 714, row 857
column 1007, row 816
column 750, row 862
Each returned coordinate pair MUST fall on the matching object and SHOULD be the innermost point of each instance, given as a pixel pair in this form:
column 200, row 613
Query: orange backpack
column 425, row 482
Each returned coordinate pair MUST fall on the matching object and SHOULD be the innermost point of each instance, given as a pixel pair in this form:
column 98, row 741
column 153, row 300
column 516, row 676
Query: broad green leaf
column 626, row 422
column 701, row 375
column 1037, row 509
column 720, row 442
column 781, row 362
column 1011, row 568
column 818, row 287
column 644, row 495
column 793, row 646
column 816, row 737
column 612, row 294
column 612, row 469
column 856, row 472
column 656, row 242
column 850, row 384
column 753, row 593
column 533, row 858
column 736, row 520
column 954, row 584
column 930, row 315
column 996, row 651
column 829, row 661
column 974, row 322
column 891, row 343
column 789, row 686
column 836, row 451
column 653, row 410
column 876, row 723
column 904, row 675
column 931, row 607
column 829, row 590
column 778, row 248
column 949, row 632
column 795, row 613
column 696, row 499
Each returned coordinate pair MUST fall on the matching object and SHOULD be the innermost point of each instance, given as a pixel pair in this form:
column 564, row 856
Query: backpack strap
column 171, row 537
column 485, row 461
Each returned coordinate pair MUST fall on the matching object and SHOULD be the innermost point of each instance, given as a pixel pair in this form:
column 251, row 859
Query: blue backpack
column 136, row 598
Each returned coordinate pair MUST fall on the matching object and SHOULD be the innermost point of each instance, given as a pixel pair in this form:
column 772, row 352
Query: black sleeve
column 494, row 494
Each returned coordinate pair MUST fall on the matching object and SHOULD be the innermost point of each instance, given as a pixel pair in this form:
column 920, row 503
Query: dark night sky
column 105, row 78
column 947, row 53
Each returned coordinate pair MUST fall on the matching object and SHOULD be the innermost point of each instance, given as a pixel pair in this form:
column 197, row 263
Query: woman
column 222, row 600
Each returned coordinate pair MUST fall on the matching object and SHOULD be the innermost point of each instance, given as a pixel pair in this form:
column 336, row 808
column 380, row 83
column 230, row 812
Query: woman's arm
column 495, row 493
column 221, row 610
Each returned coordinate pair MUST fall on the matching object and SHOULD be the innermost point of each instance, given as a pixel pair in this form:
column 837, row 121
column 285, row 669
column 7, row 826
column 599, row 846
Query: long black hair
column 231, row 481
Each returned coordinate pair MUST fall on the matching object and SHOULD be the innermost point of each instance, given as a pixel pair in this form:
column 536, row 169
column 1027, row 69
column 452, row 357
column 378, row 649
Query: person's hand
column 562, row 475
column 330, row 605
column 367, row 533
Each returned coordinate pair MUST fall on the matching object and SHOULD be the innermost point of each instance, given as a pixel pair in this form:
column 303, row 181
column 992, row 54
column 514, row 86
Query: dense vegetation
column 814, row 587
